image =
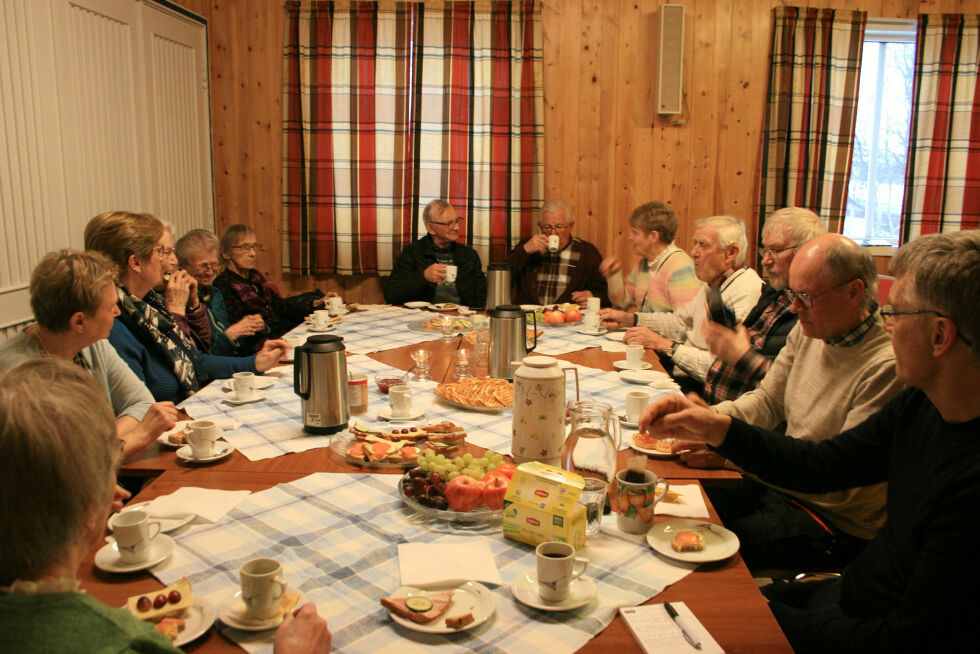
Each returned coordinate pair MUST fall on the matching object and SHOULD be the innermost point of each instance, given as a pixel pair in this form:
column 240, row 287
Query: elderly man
column 569, row 273
column 197, row 253
column 836, row 369
column 912, row 588
column 744, row 355
column 719, row 261
column 419, row 272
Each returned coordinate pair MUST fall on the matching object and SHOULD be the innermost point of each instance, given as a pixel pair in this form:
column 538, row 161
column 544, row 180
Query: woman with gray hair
column 59, row 444
column 73, row 295
column 178, row 291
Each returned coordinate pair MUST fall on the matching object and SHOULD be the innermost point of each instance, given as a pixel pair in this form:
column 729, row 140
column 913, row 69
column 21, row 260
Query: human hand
column 119, row 495
column 610, row 266
column 273, row 350
column 582, row 298
column 729, row 345
column 613, row 318
column 178, row 291
column 681, row 418
column 302, row 632
column 647, row 338
column 193, row 301
column 537, row 243
column 160, row 417
column 696, row 454
column 435, row 273
column 248, row 326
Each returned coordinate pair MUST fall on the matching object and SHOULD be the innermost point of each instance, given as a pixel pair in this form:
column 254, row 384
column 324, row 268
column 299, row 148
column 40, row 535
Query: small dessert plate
column 417, row 413
column 580, row 592
column 232, row 612
column 468, row 597
column 221, row 450
column 623, row 365
column 719, row 543
column 107, row 558
column 257, row 397
column 198, row 618
column 417, row 305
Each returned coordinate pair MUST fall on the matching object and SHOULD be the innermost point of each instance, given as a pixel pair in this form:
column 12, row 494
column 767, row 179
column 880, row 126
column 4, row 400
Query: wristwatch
column 670, row 350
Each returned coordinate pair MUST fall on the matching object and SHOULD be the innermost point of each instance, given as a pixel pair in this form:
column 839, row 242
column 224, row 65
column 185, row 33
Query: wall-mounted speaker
column 670, row 60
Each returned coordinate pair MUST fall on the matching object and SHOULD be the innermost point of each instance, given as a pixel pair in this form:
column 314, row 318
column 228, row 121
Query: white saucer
column 622, row 365
column 385, row 414
column 444, row 306
column 260, row 383
column 164, row 438
column 338, row 312
column 587, row 332
column 222, row 449
column 198, row 618
column 580, row 592
column 616, row 336
column 642, row 376
column 231, row 611
column 719, row 543
column 623, row 421
column 468, row 597
column 320, row 330
column 417, row 305
column 166, row 524
column 107, row 558
column 465, row 311
column 258, row 397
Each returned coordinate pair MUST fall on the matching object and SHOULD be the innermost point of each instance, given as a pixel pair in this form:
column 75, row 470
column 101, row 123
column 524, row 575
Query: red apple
column 464, row 493
column 494, row 488
column 573, row 315
column 505, row 469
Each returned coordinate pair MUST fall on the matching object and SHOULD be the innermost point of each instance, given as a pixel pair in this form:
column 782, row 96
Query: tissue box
column 541, row 505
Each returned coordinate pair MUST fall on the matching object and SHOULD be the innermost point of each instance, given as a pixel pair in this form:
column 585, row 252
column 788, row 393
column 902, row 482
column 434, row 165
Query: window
column 881, row 140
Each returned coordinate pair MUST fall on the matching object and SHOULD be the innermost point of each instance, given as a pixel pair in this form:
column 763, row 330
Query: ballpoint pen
column 672, row 612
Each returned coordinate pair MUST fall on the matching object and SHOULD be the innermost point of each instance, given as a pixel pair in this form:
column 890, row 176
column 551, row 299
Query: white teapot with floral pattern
column 539, row 410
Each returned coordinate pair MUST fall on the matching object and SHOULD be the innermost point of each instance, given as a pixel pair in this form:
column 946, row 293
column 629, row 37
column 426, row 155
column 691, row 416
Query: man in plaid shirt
column 744, row 355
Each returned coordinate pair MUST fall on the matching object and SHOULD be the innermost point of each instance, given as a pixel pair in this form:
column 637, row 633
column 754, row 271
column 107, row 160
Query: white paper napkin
column 613, row 346
column 690, row 504
column 207, row 504
column 428, row 564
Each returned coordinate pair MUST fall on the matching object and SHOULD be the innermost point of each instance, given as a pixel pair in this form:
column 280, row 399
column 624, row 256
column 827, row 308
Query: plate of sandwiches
column 695, row 541
column 390, row 446
column 441, row 609
column 434, row 324
column 655, row 447
column 180, row 615
column 484, row 394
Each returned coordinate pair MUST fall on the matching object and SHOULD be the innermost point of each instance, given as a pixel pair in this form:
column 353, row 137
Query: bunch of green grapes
column 466, row 464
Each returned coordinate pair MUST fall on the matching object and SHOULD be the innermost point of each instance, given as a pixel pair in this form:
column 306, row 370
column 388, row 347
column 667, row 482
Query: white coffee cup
column 134, row 533
column 201, row 436
column 400, row 398
column 451, row 271
column 321, row 318
column 335, row 304
column 636, row 401
column 244, row 383
column 634, row 356
column 592, row 305
column 553, row 243
column 590, row 322
column 294, row 340
column 556, row 569
column 262, row 587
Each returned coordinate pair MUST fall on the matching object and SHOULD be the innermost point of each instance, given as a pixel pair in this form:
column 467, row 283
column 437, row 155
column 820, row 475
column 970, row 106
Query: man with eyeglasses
column 913, row 587
column 745, row 354
column 197, row 253
column 836, row 369
column 419, row 272
column 567, row 273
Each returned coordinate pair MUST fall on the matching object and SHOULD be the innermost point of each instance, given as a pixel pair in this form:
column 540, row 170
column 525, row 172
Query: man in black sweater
column 420, row 271
column 912, row 588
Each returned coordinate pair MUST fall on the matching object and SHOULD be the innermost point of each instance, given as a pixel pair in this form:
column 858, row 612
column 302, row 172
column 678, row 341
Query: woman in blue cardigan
column 144, row 333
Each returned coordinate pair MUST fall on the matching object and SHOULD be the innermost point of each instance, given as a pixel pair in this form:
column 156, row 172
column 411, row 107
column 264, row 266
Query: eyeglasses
column 888, row 314
column 772, row 252
column 257, row 247
column 552, row 228
column 163, row 251
column 205, row 267
column 449, row 223
column 806, row 299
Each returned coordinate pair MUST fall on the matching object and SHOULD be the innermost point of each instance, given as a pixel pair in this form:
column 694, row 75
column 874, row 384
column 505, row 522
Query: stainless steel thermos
column 320, row 380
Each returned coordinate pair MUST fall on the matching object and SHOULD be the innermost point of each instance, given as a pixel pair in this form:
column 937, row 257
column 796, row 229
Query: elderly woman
column 246, row 291
column 145, row 334
column 73, row 296
column 197, row 252
column 663, row 279
column 56, row 428
column 178, row 289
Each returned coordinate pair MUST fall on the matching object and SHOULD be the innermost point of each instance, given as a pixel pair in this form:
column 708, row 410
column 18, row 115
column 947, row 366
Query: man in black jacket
column 420, row 271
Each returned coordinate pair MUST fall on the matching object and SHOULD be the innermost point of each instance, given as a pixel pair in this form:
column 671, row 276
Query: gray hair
column 434, row 209
column 845, row 260
column 944, row 269
column 193, row 242
column 656, row 217
column 554, row 206
column 731, row 231
column 66, row 282
column 801, row 225
column 233, row 234
column 58, row 441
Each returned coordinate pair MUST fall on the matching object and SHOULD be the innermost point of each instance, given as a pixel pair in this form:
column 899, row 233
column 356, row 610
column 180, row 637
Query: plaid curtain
column 808, row 136
column 390, row 105
column 942, row 181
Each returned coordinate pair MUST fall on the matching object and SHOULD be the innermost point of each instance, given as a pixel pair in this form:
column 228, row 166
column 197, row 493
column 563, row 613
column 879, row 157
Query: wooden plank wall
column 606, row 149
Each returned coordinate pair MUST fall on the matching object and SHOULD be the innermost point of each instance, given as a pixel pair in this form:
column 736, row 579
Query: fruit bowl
column 479, row 514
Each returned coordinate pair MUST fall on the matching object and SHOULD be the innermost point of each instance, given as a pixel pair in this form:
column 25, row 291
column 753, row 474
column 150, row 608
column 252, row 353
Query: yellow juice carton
column 540, row 505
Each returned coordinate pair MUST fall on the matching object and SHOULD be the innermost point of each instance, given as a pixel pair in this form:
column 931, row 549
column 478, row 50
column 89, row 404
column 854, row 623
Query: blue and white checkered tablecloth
column 562, row 340
column 378, row 329
column 337, row 538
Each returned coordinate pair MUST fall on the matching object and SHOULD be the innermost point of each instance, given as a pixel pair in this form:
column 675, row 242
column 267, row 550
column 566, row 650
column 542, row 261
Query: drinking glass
column 422, row 359
column 446, row 325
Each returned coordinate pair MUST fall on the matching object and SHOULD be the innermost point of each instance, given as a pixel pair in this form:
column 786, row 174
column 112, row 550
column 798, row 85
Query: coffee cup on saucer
column 134, row 533
column 590, row 322
column 634, row 357
column 635, row 403
column 400, row 399
column 557, row 565
column 244, row 384
column 201, row 437
column 262, row 588
column 335, row 304
column 321, row 318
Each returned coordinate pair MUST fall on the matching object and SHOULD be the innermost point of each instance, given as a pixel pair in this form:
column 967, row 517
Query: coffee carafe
column 320, row 380
column 508, row 339
column 539, row 410
column 498, row 285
